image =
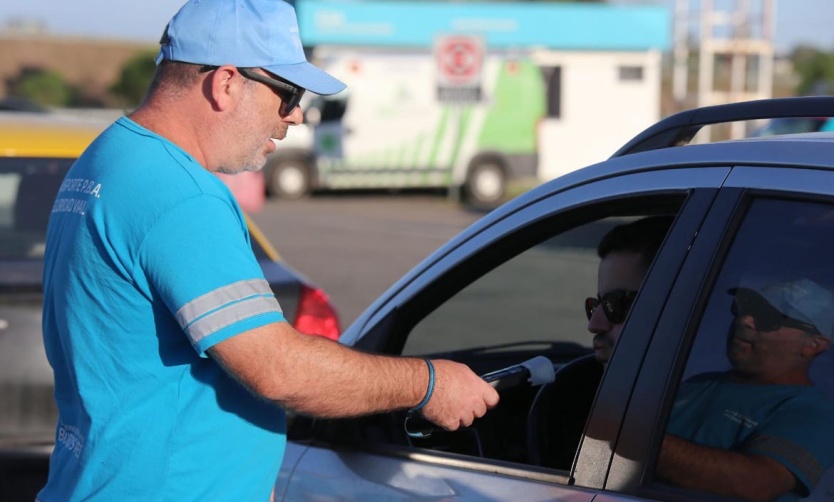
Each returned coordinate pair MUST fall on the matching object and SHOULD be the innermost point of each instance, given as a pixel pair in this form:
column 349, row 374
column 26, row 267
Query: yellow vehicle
column 45, row 135
column 36, row 151
column 40, row 136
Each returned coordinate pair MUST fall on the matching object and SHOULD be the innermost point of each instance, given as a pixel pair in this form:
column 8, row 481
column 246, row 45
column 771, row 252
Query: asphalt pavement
column 355, row 246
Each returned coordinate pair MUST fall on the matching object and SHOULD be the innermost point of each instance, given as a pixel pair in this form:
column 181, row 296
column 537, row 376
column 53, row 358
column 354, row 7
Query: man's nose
column 746, row 321
column 296, row 117
column 598, row 323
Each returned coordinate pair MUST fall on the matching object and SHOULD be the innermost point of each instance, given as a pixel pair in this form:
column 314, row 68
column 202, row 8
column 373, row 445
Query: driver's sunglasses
column 290, row 94
column 766, row 316
column 615, row 305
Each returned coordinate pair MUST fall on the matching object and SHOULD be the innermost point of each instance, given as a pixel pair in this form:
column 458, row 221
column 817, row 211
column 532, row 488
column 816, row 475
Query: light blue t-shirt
column 148, row 264
column 792, row 424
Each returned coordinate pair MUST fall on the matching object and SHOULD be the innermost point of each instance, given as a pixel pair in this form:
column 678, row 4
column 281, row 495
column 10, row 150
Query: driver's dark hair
column 642, row 236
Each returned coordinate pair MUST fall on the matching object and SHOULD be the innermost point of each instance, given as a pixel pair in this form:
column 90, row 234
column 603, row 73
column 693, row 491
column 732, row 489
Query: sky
column 797, row 21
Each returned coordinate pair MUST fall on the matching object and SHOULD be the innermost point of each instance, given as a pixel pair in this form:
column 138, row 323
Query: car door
column 766, row 223
column 508, row 292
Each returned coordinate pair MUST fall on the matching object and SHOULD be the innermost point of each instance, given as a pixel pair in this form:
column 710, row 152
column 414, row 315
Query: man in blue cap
column 172, row 358
column 762, row 430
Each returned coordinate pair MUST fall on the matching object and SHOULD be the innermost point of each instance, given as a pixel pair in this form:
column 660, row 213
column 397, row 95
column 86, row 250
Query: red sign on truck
column 460, row 60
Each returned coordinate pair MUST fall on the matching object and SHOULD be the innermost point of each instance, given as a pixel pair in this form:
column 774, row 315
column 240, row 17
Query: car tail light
column 316, row 316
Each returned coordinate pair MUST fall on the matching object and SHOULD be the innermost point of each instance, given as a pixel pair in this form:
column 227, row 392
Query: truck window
column 553, row 78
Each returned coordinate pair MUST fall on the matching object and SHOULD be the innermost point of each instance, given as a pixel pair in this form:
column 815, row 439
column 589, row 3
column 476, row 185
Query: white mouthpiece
column 541, row 370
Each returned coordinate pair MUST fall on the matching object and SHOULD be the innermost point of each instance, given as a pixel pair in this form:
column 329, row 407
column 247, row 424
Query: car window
column 530, row 305
column 536, row 296
column 727, row 398
column 520, row 296
column 27, row 191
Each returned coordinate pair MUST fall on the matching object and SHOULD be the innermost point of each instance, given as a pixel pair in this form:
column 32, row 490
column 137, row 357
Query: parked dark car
column 35, row 153
column 512, row 287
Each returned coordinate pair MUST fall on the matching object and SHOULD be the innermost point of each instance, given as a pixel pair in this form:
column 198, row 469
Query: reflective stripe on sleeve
column 225, row 306
column 778, row 447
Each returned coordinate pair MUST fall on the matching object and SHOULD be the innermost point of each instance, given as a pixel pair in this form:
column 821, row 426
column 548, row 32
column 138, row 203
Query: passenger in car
column 762, row 430
column 765, row 461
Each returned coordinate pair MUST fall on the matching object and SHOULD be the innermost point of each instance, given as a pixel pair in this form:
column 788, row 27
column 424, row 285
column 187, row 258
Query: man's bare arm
column 319, row 377
column 750, row 477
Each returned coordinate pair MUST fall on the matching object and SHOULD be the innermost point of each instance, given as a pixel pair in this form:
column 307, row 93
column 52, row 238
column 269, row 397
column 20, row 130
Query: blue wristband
column 429, row 390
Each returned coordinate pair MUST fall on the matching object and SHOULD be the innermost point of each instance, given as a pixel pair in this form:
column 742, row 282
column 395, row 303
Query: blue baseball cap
column 244, row 33
column 801, row 299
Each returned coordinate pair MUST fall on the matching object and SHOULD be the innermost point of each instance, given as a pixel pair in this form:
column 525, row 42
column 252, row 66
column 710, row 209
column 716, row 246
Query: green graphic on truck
column 389, row 129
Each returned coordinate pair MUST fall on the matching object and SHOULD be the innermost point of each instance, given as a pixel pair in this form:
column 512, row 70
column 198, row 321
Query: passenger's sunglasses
column 290, row 94
column 615, row 304
column 767, row 317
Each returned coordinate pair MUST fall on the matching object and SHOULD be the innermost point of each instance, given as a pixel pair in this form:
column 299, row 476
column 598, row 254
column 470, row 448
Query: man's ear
column 817, row 345
column 226, row 85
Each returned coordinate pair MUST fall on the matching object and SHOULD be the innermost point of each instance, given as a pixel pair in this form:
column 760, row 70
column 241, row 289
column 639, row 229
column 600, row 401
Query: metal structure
column 734, row 44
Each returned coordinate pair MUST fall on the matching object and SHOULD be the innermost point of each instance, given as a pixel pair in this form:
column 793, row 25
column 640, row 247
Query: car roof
column 680, row 128
column 666, row 144
column 46, row 134
column 800, row 151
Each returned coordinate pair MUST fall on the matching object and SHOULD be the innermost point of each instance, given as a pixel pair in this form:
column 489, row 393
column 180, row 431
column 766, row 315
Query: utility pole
column 680, row 69
column 734, row 40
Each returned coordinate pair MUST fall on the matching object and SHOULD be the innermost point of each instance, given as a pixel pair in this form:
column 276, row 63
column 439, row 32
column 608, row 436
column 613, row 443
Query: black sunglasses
column 615, row 304
column 290, row 94
column 767, row 317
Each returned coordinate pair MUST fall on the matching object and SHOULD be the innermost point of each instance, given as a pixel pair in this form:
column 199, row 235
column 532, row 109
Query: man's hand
column 460, row 396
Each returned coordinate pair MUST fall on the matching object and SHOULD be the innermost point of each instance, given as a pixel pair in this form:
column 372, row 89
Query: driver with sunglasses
column 625, row 253
column 761, row 430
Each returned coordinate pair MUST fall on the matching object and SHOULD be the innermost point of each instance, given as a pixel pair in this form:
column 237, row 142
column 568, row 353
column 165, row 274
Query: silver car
column 511, row 287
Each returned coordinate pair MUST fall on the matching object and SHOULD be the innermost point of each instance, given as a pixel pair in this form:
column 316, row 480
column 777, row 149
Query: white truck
column 390, row 129
column 468, row 97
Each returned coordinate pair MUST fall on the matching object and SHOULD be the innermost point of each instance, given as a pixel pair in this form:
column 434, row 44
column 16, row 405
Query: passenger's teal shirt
column 148, row 264
column 792, row 424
